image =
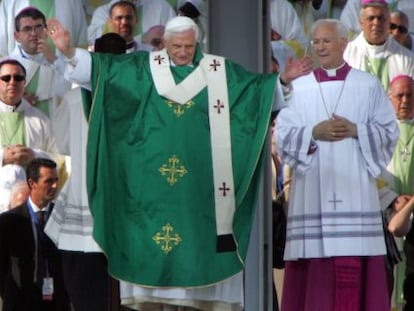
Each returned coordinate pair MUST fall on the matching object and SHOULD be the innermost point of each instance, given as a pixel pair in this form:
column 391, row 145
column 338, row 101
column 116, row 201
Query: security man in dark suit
column 30, row 265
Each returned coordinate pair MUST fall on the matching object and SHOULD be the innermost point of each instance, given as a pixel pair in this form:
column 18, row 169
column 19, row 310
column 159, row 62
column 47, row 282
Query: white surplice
column 70, row 224
column 51, row 85
column 38, row 136
column 285, row 21
column 399, row 59
column 334, row 208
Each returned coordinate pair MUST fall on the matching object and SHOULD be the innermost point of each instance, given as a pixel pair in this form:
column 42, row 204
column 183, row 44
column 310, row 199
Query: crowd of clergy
column 45, row 119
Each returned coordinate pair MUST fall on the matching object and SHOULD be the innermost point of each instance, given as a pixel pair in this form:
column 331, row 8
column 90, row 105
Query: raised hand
column 296, row 68
column 61, row 37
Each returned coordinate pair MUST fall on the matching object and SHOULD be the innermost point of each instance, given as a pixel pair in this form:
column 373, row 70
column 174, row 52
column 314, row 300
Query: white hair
column 340, row 27
column 180, row 24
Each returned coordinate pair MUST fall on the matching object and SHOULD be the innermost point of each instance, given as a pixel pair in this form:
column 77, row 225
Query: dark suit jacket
column 17, row 265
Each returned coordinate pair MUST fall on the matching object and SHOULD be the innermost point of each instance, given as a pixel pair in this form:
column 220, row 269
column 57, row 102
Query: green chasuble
column 150, row 177
column 402, row 161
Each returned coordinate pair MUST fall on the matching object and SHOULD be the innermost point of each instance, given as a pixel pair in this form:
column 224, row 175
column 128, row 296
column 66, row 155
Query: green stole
column 12, row 128
column 402, row 161
column 31, row 88
column 153, row 232
column 379, row 68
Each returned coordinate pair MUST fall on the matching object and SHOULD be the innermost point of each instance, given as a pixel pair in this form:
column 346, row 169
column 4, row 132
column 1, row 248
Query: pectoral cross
column 215, row 64
column 224, row 189
column 405, row 153
column 219, row 106
column 159, row 59
column 334, row 200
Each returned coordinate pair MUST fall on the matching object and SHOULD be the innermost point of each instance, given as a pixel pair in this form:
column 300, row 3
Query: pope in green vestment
column 150, row 176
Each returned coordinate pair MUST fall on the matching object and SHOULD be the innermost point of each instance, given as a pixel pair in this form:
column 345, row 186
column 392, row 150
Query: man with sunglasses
column 25, row 132
column 399, row 29
column 374, row 50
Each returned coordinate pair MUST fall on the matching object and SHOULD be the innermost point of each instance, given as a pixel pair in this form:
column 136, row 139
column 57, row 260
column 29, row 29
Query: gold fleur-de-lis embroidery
column 172, row 170
column 167, row 239
column 179, row 109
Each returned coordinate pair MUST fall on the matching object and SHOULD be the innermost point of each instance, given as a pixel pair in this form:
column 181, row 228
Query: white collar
column 38, row 58
column 35, row 208
column 332, row 72
column 7, row 108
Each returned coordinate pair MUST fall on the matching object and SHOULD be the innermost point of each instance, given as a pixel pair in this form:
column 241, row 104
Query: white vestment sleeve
column 377, row 138
column 99, row 18
column 350, row 16
column 293, row 140
column 280, row 96
column 78, row 69
column 285, row 21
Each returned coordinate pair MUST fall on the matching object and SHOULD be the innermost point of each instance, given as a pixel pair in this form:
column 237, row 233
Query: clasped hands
column 335, row 129
column 17, row 154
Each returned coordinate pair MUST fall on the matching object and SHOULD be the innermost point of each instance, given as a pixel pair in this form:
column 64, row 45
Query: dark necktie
column 41, row 247
column 41, row 217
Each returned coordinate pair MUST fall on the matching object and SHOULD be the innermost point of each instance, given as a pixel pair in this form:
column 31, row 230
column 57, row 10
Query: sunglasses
column 401, row 28
column 7, row 78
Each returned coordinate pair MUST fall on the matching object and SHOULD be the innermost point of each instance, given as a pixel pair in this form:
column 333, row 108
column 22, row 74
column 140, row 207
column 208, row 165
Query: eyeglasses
column 17, row 78
column 321, row 41
column 36, row 29
column 401, row 28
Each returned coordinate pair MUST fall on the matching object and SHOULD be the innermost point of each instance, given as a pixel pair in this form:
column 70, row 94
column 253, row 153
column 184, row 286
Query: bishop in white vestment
column 337, row 135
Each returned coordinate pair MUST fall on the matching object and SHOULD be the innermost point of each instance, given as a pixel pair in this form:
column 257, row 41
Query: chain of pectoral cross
column 405, row 153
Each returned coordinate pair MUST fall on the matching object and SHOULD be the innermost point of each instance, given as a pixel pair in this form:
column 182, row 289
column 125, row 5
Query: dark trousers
column 87, row 280
column 409, row 292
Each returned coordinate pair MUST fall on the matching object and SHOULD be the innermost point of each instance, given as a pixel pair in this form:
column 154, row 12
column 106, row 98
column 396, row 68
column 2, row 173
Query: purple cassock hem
column 321, row 75
column 336, row 284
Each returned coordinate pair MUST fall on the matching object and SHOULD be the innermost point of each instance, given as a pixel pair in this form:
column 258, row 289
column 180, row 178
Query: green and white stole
column 210, row 73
